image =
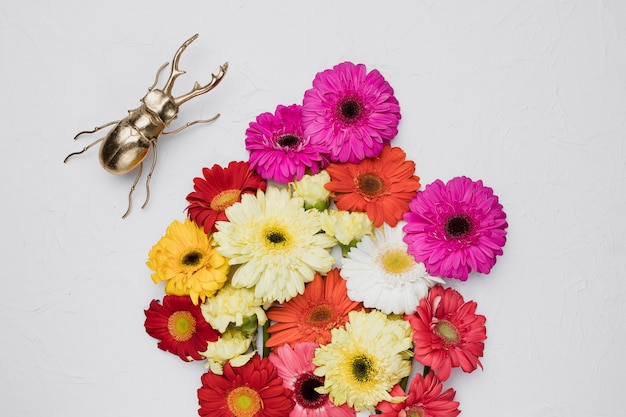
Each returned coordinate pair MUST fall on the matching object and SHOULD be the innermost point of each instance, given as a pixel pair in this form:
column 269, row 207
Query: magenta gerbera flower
column 455, row 228
column 279, row 150
column 352, row 112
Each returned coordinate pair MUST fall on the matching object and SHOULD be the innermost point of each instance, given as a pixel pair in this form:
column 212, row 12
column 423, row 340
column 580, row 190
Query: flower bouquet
column 312, row 278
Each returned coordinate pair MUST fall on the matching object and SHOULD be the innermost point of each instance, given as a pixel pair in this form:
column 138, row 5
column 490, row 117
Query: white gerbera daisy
column 276, row 242
column 382, row 274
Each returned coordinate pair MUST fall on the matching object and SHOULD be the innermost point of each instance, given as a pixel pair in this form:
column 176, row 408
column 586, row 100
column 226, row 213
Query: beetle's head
column 161, row 105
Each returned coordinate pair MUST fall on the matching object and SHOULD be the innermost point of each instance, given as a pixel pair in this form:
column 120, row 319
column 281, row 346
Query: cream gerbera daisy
column 276, row 242
column 232, row 305
column 382, row 274
column 361, row 373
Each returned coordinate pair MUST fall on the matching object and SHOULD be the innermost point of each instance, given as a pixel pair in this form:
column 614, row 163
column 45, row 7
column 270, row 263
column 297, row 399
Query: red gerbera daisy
column 424, row 399
column 447, row 332
column 311, row 316
column 179, row 326
column 382, row 187
column 219, row 189
column 251, row 390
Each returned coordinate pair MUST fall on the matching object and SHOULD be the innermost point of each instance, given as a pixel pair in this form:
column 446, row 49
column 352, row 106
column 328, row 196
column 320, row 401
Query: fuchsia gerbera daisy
column 219, row 189
column 279, row 150
column 456, row 228
column 424, row 399
column 352, row 112
column 180, row 327
column 447, row 332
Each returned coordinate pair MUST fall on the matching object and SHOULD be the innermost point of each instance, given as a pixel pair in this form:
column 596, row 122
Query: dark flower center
column 288, row 140
column 458, row 226
column 192, row 258
column 370, row 184
column 349, row 110
column 362, row 368
column 320, row 315
column 304, row 388
column 275, row 237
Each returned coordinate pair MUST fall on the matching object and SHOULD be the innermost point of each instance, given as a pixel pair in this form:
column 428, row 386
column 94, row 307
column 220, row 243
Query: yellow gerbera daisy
column 276, row 241
column 186, row 259
column 361, row 373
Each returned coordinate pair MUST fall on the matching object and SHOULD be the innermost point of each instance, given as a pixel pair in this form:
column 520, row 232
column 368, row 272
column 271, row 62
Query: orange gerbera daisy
column 311, row 316
column 381, row 187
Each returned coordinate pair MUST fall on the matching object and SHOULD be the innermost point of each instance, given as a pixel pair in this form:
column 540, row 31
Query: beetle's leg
column 186, row 125
column 95, row 129
column 149, row 177
column 84, row 149
column 130, row 194
column 156, row 79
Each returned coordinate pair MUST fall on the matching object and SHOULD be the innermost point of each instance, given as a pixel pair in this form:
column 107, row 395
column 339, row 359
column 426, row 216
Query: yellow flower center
column 181, row 325
column 412, row 412
column 244, row 402
column 276, row 237
column 448, row 332
column 370, row 185
column 397, row 261
column 362, row 369
column 225, row 199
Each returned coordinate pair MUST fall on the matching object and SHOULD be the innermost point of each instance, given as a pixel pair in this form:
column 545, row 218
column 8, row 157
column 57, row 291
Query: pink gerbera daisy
column 279, row 150
column 447, row 332
column 424, row 399
column 352, row 112
column 295, row 367
column 456, row 228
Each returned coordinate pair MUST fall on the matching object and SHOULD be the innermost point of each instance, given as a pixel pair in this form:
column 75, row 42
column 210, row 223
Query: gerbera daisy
column 447, row 332
column 310, row 317
column 218, row 190
column 279, row 150
column 382, row 187
column 381, row 274
column 179, row 326
column 251, row 390
column 276, row 242
column 424, row 399
column 296, row 369
column 365, row 360
column 456, row 228
column 186, row 259
column 352, row 112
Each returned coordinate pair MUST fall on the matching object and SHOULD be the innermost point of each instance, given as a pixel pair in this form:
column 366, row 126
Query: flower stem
column 266, row 336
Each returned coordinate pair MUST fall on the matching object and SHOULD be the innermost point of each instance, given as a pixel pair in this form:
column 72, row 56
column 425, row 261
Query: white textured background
column 530, row 96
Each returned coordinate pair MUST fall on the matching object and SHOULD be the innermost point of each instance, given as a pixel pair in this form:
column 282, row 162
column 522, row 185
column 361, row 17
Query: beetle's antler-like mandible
column 201, row 89
column 197, row 88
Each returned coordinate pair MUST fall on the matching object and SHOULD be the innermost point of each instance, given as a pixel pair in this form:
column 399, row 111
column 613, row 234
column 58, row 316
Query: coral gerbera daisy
column 383, row 275
column 310, row 317
column 279, row 150
column 251, row 390
column 357, row 371
column 447, row 332
column 276, row 242
column 219, row 189
column 456, row 228
column 382, row 186
column 352, row 112
column 296, row 369
column 179, row 326
column 424, row 398
column 186, row 259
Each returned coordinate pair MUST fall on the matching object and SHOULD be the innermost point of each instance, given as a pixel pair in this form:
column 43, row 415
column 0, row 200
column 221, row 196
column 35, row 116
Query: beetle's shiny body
column 125, row 146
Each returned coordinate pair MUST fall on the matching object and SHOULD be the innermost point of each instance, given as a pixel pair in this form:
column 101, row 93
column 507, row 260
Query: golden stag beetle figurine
column 128, row 143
